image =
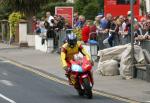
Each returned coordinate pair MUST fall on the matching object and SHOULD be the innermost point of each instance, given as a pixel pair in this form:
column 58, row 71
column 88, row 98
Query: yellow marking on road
column 114, row 97
column 66, row 83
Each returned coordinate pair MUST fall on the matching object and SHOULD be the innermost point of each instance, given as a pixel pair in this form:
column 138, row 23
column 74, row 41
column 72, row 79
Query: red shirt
column 85, row 33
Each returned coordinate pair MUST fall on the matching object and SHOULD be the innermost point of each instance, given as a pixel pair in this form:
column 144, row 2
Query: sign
column 111, row 2
column 67, row 13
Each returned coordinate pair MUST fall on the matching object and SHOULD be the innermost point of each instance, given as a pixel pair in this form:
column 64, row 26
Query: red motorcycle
column 80, row 76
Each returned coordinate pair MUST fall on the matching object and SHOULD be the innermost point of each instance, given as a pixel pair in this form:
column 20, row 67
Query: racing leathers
column 67, row 53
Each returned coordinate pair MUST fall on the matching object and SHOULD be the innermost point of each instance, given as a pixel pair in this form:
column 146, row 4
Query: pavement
column 132, row 89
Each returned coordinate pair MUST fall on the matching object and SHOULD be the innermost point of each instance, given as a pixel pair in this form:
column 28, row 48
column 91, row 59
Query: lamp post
column 133, row 71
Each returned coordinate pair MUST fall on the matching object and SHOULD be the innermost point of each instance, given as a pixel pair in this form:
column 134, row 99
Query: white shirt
column 49, row 20
column 122, row 27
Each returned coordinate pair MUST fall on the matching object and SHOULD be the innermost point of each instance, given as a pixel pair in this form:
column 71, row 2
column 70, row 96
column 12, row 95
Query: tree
column 89, row 8
column 101, row 5
column 4, row 12
column 80, row 4
column 28, row 7
column 90, row 11
column 51, row 6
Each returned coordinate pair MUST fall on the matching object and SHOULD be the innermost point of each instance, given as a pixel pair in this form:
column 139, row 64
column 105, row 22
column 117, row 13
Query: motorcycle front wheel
column 87, row 88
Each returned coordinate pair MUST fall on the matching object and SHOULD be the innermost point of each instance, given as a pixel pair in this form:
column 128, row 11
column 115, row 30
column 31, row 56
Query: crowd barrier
column 145, row 44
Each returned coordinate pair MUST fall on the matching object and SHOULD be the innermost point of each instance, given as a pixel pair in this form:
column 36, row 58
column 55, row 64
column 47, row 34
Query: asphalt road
column 18, row 85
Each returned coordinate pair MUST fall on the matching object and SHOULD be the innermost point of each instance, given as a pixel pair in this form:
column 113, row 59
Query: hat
column 129, row 13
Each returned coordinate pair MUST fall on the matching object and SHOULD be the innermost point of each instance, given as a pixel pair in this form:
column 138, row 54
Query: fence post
column 4, row 26
column 148, row 72
column 23, row 33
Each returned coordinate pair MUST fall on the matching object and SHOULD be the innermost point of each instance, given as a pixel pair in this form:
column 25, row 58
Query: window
column 125, row 1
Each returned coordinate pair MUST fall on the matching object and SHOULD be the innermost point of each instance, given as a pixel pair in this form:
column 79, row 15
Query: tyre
column 80, row 92
column 87, row 88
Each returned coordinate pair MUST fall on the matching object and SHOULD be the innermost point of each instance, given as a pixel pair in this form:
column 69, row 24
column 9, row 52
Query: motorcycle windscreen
column 76, row 68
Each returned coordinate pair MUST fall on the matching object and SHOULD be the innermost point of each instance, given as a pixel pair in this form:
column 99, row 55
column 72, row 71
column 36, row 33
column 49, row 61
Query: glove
column 65, row 68
column 67, row 71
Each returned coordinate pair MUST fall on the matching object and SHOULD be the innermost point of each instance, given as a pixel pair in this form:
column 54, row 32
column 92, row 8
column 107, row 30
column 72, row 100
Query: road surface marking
column 66, row 83
column 5, row 74
column 5, row 61
column 7, row 99
column 7, row 83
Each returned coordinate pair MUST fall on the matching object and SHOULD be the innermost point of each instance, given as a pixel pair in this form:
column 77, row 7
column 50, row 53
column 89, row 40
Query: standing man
column 34, row 24
column 49, row 18
column 106, row 24
column 50, row 30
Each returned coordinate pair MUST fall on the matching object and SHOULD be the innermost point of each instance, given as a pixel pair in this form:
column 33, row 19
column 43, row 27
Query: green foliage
column 14, row 19
column 29, row 7
column 89, row 8
column 5, row 11
column 78, row 33
column 90, row 11
column 51, row 7
column 101, row 5
column 57, row 1
column 79, row 6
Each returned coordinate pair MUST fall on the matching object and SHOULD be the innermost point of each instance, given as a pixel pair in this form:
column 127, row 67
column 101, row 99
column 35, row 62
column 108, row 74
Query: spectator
column 142, row 21
column 86, row 31
column 125, row 32
column 34, row 23
column 75, row 18
column 49, row 25
column 97, row 23
column 43, row 32
column 58, row 26
column 137, row 33
column 106, row 23
column 147, row 28
column 81, row 21
column 113, row 32
column 93, row 32
column 148, row 16
column 49, row 18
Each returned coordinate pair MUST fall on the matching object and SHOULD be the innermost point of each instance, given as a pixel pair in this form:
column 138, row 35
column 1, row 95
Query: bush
column 14, row 19
column 90, row 11
column 78, row 33
column 80, row 4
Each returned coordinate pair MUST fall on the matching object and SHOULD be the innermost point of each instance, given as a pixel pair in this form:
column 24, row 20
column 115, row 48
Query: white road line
column 7, row 99
column 6, row 61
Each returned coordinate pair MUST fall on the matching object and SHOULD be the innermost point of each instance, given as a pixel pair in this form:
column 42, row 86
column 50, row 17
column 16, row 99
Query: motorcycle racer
column 68, row 53
column 69, row 49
